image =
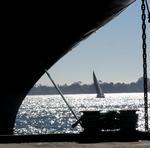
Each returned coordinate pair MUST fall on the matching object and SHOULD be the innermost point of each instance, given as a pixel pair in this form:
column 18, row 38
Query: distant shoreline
column 79, row 88
column 85, row 93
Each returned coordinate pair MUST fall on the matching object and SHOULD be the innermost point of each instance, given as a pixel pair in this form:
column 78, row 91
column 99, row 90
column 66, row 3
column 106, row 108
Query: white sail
column 98, row 88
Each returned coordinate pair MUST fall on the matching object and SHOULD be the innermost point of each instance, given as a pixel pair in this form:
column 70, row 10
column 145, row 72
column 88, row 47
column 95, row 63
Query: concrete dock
column 139, row 144
column 104, row 140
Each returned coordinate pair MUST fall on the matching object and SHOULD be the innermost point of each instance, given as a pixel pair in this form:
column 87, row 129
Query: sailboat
column 98, row 88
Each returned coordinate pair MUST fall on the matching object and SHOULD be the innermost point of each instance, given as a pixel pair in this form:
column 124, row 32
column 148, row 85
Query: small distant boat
column 98, row 88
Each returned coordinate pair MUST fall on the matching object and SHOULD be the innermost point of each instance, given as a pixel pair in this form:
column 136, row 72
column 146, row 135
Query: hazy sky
column 114, row 52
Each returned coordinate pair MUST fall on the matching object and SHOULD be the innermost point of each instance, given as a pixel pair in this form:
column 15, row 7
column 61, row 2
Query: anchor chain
column 144, row 46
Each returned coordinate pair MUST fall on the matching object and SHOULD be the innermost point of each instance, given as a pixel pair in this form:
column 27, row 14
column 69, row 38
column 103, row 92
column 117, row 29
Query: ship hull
column 35, row 36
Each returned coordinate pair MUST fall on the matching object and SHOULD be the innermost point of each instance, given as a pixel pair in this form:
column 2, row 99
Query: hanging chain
column 143, row 8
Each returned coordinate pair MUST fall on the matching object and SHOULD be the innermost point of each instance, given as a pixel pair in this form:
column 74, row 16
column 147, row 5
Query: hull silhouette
column 36, row 35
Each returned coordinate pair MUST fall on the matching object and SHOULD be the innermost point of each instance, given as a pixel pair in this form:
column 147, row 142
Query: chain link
column 144, row 46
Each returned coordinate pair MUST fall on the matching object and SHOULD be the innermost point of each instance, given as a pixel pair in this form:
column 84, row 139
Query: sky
column 114, row 52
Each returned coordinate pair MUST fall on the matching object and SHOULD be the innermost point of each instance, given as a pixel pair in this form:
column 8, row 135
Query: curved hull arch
column 35, row 36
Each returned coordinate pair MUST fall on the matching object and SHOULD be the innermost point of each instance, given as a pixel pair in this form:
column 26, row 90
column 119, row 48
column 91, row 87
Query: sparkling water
column 47, row 114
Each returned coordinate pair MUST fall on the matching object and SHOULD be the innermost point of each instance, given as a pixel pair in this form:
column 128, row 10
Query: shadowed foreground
column 104, row 140
column 112, row 136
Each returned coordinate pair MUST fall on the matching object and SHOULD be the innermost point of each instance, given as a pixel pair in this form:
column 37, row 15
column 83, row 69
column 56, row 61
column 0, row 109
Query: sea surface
column 47, row 114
